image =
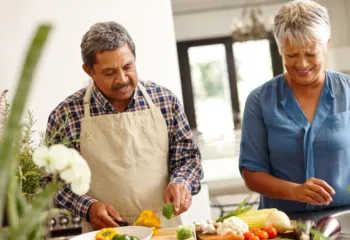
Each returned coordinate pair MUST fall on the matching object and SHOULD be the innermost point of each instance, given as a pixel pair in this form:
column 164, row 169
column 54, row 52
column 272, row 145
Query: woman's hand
column 314, row 191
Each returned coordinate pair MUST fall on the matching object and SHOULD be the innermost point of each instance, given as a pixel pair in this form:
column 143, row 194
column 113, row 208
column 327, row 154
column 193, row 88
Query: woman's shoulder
column 338, row 77
column 273, row 85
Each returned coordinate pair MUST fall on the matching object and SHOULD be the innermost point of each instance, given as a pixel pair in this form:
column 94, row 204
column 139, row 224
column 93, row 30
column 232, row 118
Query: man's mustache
column 118, row 86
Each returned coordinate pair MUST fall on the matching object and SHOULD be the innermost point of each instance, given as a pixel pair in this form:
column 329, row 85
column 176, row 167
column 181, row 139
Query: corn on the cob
column 256, row 219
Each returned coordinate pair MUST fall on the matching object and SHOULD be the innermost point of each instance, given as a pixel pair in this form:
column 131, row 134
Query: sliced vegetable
column 148, row 218
column 214, row 238
column 256, row 219
column 232, row 236
column 106, row 234
column 239, row 210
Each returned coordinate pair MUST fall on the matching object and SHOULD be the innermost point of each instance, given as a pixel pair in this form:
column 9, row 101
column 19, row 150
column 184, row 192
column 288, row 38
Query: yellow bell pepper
column 106, row 234
column 149, row 219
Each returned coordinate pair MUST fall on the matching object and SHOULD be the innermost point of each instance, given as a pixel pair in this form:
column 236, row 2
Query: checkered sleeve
column 79, row 205
column 185, row 160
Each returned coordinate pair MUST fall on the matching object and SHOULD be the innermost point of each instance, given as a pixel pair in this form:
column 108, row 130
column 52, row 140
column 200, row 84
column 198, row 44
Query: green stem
column 9, row 146
column 4, row 233
column 12, row 211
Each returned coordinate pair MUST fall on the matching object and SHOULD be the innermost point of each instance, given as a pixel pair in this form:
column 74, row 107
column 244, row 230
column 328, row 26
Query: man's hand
column 102, row 215
column 314, row 191
column 179, row 195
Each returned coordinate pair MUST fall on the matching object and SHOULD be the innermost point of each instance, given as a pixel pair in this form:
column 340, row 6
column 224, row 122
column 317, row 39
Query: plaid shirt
column 184, row 161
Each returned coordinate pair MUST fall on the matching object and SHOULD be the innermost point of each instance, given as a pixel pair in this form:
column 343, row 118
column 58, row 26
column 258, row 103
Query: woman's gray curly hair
column 301, row 22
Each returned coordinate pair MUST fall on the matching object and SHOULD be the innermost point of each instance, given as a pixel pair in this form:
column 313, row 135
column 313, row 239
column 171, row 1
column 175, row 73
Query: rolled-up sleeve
column 254, row 154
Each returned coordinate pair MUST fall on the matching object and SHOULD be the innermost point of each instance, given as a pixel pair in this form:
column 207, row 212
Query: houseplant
column 26, row 217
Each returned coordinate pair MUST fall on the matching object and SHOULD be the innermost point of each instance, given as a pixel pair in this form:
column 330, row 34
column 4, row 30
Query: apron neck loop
column 88, row 93
column 146, row 96
column 87, row 99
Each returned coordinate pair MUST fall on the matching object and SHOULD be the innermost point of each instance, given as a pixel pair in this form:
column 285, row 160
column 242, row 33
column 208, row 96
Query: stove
column 62, row 227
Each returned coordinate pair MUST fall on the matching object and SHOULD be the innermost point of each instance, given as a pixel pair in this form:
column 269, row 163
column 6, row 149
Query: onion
column 278, row 220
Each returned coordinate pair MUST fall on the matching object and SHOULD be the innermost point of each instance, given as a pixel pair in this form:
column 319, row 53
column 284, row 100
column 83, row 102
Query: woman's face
column 304, row 63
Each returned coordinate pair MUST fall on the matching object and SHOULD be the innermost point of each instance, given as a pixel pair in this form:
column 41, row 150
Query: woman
column 295, row 148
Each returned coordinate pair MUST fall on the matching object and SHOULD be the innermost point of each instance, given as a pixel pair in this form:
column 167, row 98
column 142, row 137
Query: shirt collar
column 103, row 101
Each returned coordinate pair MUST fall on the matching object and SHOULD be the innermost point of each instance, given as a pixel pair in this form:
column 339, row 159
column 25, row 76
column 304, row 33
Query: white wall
column 59, row 74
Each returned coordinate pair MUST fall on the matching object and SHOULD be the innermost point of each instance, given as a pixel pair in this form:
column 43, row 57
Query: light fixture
column 251, row 26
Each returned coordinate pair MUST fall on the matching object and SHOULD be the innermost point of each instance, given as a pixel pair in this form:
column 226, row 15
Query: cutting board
column 170, row 234
column 165, row 234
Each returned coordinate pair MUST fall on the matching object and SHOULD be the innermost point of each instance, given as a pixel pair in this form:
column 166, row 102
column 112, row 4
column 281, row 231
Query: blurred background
column 210, row 53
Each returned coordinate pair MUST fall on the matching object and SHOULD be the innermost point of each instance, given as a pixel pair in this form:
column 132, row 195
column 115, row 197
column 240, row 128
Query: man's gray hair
column 301, row 22
column 104, row 36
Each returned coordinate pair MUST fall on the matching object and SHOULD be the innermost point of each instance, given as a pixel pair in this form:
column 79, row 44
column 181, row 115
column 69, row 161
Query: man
column 133, row 134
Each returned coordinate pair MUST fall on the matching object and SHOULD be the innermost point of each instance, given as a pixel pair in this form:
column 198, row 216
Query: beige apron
column 128, row 155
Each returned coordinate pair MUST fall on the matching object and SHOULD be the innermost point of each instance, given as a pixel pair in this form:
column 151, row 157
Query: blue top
column 278, row 139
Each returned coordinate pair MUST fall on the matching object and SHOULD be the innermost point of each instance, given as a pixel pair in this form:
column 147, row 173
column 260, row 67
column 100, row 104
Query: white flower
column 70, row 165
column 60, row 157
column 42, row 158
column 81, row 185
column 76, row 168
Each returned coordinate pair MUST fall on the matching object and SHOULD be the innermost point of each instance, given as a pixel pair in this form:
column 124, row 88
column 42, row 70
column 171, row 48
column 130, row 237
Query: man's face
column 115, row 74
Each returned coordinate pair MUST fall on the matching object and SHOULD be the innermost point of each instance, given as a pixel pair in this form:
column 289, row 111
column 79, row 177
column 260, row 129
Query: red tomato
column 271, row 231
column 238, row 237
column 253, row 237
column 254, row 230
column 262, row 235
column 247, row 235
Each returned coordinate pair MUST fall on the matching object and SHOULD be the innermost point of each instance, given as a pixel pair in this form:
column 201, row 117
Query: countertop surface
column 316, row 215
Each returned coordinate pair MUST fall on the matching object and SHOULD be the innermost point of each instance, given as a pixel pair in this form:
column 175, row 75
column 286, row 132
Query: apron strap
column 87, row 99
column 145, row 94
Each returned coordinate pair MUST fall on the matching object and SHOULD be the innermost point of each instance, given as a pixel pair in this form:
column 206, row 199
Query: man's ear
column 88, row 70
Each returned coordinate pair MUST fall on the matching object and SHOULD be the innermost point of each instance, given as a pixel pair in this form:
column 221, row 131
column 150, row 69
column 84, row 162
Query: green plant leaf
column 9, row 147
column 30, row 173
column 39, row 208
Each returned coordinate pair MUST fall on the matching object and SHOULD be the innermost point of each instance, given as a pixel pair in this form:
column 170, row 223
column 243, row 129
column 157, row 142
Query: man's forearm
column 189, row 173
column 78, row 205
column 269, row 186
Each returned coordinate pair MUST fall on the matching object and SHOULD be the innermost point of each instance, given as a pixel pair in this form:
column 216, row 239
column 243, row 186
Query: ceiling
column 182, row 7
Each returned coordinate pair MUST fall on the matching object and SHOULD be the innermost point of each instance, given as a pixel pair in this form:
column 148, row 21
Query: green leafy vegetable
column 183, row 232
column 168, row 210
column 239, row 210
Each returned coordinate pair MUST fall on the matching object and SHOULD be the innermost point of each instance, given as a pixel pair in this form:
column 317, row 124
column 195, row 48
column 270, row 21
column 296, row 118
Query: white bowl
column 143, row 233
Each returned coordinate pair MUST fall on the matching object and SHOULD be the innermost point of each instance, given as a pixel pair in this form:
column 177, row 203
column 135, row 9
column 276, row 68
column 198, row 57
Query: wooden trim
column 186, row 84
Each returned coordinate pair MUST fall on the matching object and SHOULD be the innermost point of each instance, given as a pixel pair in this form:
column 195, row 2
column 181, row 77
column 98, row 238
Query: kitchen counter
column 316, row 215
